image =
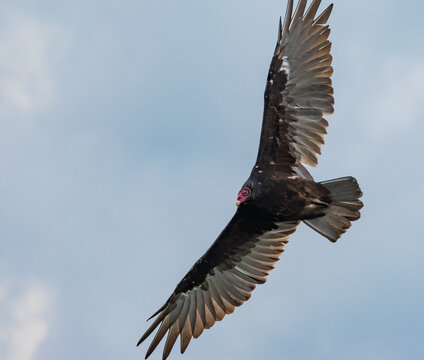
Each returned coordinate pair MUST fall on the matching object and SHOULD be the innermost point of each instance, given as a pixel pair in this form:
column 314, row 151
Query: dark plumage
column 279, row 193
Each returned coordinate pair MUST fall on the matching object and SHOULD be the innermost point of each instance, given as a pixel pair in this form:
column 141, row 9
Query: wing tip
column 325, row 15
column 280, row 30
column 287, row 18
column 157, row 312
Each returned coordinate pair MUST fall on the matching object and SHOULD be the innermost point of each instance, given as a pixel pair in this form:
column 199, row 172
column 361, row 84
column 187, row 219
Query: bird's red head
column 243, row 195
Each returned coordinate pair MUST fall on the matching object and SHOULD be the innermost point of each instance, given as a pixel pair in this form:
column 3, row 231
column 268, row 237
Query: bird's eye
column 245, row 192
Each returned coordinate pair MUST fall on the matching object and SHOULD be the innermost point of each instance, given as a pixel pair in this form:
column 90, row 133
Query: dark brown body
column 285, row 199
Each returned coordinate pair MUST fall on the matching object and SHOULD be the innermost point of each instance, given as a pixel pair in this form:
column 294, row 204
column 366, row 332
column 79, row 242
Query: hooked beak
column 237, row 203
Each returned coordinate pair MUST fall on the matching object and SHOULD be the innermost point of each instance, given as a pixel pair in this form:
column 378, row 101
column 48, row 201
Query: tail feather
column 343, row 209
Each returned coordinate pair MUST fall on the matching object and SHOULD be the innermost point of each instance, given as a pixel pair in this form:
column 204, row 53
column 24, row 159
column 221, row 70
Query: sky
column 126, row 131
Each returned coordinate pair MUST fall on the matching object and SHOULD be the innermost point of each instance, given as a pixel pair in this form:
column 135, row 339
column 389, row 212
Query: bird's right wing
column 298, row 92
column 222, row 279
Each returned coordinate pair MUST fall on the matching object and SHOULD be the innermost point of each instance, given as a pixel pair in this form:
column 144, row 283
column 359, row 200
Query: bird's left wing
column 299, row 91
column 222, row 279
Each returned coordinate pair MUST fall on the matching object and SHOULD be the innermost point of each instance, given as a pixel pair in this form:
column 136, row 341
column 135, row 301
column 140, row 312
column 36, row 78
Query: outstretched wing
column 222, row 279
column 298, row 92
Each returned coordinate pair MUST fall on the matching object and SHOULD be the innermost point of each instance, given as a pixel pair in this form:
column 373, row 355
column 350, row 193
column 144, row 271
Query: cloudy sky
column 126, row 130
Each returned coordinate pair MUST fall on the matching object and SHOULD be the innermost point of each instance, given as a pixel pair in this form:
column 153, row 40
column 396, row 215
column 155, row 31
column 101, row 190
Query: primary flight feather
column 279, row 193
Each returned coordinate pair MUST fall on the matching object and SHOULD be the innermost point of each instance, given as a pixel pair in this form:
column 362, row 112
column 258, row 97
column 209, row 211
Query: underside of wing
column 299, row 90
column 220, row 281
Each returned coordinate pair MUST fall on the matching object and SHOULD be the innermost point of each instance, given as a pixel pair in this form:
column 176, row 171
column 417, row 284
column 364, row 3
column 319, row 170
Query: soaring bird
column 279, row 193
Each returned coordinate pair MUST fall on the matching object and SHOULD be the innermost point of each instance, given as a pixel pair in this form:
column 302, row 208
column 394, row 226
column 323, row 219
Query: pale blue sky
column 126, row 130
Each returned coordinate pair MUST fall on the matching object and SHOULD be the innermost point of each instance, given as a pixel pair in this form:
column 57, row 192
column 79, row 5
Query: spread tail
column 343, row 209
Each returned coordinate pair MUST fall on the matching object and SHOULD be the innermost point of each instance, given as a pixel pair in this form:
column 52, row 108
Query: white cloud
column 27, row 47
column 25, row 321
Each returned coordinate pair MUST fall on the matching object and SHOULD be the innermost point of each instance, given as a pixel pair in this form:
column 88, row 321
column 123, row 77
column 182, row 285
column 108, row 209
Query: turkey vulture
column 279, row 192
